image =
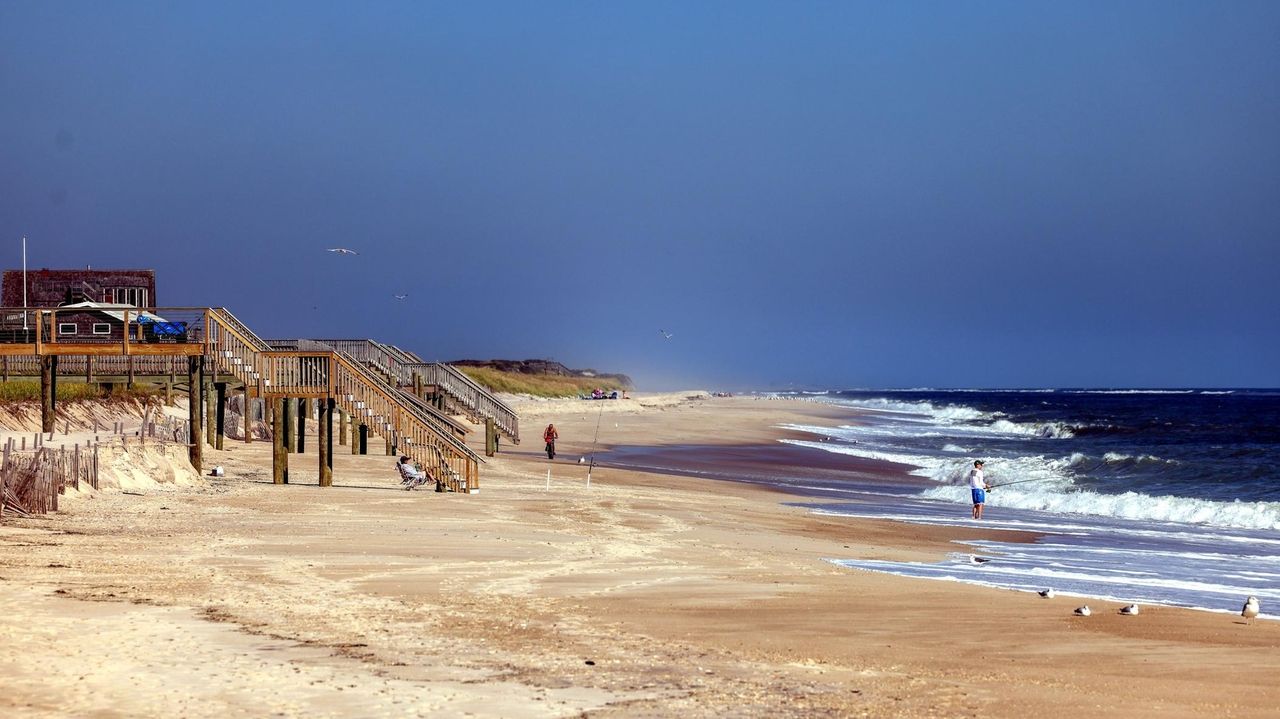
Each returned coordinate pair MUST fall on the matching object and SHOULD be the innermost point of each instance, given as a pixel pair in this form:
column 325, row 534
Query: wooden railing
column 464, row 394
column 317, row 370
column 230, row 348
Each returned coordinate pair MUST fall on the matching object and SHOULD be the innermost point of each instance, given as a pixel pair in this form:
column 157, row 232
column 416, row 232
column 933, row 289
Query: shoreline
column 649, row 594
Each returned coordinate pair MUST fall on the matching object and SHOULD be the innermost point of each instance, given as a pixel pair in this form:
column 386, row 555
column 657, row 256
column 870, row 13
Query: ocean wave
column 1129, row 505
column 963, row 419
column 1129, row 391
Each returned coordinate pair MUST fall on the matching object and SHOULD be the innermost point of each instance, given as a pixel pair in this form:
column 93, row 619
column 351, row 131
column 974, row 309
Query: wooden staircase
column 406, row 370
column 323, row 371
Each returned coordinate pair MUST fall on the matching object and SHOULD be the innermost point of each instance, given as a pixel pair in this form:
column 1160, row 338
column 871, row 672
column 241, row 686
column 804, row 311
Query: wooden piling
column 210, row 414
column 286, row 412
column 48, row 370
column 195, row 448
column 304, row 411
column 220, row 390
column 324, row 442
column 364, row 438
column 490, row 437
column 248, row 407
column 342, row 427
column 168, row 394
column 279, row 454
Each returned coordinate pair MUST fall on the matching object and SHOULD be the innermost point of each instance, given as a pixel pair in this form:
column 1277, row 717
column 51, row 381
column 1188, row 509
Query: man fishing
column 978, row 487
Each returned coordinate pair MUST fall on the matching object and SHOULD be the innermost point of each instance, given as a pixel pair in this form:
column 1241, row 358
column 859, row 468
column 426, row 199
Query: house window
column 67, row 328
column 102, row 328
column 136, row 296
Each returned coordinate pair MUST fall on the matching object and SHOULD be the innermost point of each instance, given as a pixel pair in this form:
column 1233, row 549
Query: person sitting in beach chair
column 410, row 476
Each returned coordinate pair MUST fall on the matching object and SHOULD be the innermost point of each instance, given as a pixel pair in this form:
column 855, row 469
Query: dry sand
column 645, row 595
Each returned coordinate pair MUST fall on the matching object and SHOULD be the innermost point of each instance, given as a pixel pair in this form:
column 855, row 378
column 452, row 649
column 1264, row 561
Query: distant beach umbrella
column 343, row 251
column 1083, row 611
column 1250, row 609
column 1130, row 611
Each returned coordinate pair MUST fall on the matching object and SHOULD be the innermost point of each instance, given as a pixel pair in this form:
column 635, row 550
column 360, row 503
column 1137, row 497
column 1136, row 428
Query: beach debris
column 1130, row 611
column 1047, row 593
column 1083, row 611
column 343, row 251
column 1250, row 609
column 590, row 663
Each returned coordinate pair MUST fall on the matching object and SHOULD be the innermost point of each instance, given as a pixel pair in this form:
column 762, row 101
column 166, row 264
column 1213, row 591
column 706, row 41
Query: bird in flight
column 343, row 251
column 401, row 297
column 666, row 334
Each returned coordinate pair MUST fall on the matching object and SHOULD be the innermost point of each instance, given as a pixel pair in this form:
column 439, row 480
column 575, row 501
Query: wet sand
column 648, row 594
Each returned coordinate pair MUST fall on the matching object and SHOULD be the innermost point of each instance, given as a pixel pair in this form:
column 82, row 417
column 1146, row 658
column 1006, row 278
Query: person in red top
column 550, row 436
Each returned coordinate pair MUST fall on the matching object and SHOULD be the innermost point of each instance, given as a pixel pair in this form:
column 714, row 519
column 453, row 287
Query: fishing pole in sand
column 592, row 464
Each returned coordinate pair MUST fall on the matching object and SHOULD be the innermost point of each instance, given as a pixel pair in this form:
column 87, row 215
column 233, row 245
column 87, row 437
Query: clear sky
column 806, row 194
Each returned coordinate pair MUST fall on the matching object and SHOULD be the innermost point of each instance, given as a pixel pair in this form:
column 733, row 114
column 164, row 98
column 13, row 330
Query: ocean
column 1150, row 496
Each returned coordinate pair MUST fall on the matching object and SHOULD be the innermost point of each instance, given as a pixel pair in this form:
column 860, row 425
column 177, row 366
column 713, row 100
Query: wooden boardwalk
column 211, row 353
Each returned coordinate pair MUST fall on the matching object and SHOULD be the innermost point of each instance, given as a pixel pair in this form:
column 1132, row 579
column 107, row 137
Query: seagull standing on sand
column 1083, row 611
column 1047, row 594
column 1251, row 609
column 975, row 559
column 343, row 251
column 1130, row 611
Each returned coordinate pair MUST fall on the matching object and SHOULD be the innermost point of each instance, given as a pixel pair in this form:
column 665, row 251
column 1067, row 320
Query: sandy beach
column 643, row 595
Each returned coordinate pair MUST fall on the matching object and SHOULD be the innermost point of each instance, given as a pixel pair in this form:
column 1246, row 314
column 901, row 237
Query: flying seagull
column 400, row 297
column 1047, row 594
column 666, row 334
column 1250, row 609
column 343, row 251
column 1130, row 611
column 1083, row 611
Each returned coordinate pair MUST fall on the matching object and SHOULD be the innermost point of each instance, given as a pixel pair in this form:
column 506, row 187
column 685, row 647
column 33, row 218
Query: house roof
column 116, row 311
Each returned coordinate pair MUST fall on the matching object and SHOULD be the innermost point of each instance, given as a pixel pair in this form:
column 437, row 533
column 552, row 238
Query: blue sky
column 805, row 194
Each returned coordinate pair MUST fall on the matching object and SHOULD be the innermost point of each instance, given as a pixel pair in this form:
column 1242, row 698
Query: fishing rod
column 1021, row 481
column 593, row 445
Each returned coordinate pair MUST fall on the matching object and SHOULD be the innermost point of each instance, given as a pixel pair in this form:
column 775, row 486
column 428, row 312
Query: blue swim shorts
column 979, row 495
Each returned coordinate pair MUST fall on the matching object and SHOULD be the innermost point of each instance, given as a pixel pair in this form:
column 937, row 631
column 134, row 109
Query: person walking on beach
column 550, row 435
column 978, row 488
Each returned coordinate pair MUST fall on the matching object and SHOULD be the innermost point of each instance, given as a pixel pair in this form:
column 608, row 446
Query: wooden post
column 168, row 394
column 490, row 437
column 210, row 408
column 304, row 409
column 286, row 411
column 324, row 442
column 364, row 438
column 386, row 435
column 220, row 389
column 355, row 437
column 417, row 385
column 88, row 369
column 48, row 370
column 195, row 448
column 130, row 360
column 279, row 453
column 342, row 427
column 248, row 416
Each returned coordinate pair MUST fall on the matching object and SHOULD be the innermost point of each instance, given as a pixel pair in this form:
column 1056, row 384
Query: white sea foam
column 1129, row 505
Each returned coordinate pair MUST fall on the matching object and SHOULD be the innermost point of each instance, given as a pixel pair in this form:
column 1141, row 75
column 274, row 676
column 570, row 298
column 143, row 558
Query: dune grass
column 29, row 391
column 539, row 385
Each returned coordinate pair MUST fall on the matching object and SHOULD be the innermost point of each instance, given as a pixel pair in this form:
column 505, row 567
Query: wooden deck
column 214, row 342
